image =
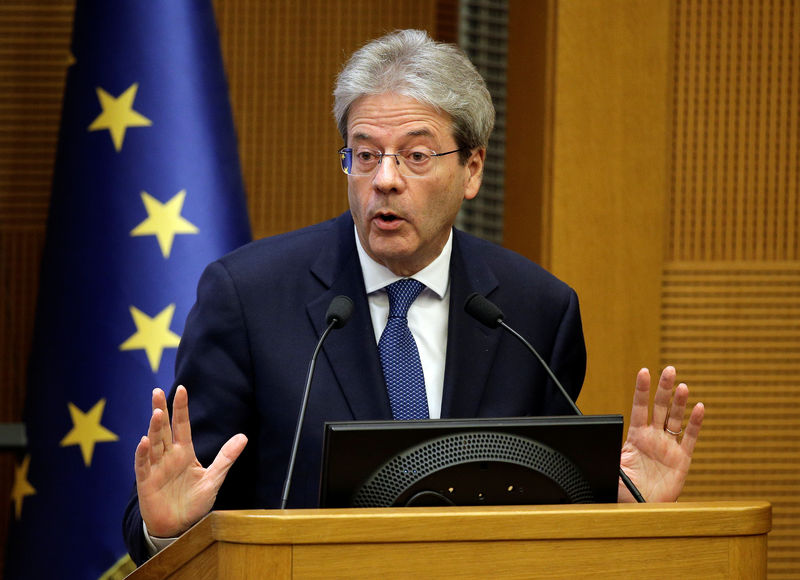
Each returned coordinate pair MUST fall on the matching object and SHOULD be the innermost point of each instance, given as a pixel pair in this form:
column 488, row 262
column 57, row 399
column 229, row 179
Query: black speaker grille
column 405, row 469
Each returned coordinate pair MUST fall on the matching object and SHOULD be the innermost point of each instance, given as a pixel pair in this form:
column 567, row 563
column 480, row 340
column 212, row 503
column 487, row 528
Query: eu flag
column 147, row 190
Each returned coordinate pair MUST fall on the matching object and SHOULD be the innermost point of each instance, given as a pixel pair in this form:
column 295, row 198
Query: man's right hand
column 175, row 490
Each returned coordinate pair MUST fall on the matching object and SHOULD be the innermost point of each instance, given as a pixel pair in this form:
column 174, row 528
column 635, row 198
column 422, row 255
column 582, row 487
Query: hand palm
column 174, row 489
column 655, row 460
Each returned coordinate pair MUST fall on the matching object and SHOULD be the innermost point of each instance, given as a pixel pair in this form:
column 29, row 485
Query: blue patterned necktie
column 402, row 368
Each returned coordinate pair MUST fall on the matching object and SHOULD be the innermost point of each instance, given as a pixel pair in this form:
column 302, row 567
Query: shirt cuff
column 154, row 543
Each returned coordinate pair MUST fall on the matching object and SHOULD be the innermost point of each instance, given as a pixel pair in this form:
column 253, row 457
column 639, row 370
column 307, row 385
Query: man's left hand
column 657, row 455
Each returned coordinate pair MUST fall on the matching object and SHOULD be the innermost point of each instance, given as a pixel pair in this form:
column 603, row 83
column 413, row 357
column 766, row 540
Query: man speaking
column 415, row 118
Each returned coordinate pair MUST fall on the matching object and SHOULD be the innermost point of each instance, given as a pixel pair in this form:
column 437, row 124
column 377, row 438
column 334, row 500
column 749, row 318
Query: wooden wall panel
column 532, row 51
column 609, row 181
column 736, row 152
column 666, row 189
column 34, row 52
column 731, row 295
column 586, row 168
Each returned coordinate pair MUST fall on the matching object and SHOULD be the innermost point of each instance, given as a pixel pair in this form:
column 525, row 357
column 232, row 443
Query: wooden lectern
column 680, row 540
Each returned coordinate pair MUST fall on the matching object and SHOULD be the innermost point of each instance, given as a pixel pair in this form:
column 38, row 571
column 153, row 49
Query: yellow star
column 164, row 221
column 21, row 487
column 87, row 430
column 152, row 334
column 118, row 115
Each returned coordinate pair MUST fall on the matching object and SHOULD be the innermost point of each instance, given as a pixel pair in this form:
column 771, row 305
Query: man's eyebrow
column 421, row 132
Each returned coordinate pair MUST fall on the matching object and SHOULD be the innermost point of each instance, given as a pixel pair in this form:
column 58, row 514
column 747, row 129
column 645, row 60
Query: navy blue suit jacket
column 260, row 310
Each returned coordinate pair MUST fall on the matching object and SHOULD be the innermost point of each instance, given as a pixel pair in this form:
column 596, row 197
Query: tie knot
column 401, row 294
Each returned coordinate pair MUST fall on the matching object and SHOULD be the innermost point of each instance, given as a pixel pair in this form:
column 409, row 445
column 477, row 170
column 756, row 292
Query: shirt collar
column 435, row 276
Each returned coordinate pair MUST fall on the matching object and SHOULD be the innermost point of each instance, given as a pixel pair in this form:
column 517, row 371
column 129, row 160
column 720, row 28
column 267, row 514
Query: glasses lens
column 365, row 160
column 346, row 159
column 415, row 162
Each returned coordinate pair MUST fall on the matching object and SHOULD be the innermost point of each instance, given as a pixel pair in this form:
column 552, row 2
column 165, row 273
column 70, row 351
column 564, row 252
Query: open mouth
column 387, row 217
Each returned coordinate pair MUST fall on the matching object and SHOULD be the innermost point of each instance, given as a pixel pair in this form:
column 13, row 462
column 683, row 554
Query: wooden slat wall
column 34, row 53
column 731, row 290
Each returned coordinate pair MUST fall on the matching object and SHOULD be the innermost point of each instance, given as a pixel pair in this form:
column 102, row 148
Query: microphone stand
column 287, row 484
column 339, row 312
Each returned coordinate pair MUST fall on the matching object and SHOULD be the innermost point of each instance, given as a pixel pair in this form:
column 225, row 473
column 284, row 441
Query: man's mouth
column 387, row 221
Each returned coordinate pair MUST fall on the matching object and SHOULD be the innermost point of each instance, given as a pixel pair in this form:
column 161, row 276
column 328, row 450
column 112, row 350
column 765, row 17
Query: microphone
column 339, row 311
column 487, row 313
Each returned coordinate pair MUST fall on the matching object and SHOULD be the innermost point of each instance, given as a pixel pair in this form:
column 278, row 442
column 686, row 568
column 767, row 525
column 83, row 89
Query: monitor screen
column 514, row 461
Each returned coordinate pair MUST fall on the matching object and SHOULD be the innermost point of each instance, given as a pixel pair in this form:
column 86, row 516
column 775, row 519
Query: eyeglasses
column 417, row 162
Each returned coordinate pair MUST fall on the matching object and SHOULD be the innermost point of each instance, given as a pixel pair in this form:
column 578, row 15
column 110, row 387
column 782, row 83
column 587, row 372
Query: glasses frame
column 345, row 150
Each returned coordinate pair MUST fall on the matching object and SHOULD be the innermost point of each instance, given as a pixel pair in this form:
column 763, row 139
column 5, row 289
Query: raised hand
column 175, row 490
column 657, row 455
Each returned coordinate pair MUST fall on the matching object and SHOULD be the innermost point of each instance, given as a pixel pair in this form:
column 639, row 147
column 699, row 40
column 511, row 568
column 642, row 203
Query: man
column 415, row 117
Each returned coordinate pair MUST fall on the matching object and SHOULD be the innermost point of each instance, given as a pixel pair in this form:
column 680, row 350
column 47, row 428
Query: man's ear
column 474, row 176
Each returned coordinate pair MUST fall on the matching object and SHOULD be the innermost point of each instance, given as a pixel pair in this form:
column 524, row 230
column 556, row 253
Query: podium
column 677, row 540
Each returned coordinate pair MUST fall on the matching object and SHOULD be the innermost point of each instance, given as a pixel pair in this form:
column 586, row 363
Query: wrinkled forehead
column 392, row 117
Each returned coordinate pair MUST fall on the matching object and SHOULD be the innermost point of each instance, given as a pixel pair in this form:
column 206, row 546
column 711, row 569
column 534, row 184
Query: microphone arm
column 339, row 312
column 487, row 313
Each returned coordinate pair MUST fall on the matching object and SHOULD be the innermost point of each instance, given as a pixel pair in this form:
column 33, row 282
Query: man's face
column 404, row 222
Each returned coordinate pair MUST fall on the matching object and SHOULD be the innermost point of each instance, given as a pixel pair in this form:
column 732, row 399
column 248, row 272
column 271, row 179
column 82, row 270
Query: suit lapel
column 351, row 351
column 471, row 346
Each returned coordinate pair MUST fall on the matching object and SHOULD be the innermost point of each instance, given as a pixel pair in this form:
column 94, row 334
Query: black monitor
column 516, row 461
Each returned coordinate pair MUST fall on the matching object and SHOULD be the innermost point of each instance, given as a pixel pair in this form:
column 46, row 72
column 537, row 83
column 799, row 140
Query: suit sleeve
column 568, row 359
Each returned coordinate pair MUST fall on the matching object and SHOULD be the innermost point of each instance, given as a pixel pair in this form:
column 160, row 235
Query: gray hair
column 412, row 64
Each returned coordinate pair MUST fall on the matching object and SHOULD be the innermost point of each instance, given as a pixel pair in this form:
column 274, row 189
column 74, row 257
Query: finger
column 663, row 396
column 641, row 399
column 677, row 410
column 224, row 460
column 159, row 399
column 156, row 434
column 693, row 428
column 181, row 429
column 141, row 463
column 162, row 438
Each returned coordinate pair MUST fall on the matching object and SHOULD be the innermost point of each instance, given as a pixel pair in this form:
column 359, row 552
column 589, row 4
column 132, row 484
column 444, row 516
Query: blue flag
column 147, row 190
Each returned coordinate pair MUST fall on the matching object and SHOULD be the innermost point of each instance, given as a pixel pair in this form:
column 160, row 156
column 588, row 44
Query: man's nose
column 387, row 174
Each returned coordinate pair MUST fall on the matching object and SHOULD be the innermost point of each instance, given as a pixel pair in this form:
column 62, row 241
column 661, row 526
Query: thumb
column 224, row 460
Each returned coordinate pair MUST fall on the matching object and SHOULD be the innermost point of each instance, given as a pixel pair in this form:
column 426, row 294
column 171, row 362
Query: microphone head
column 339, row 311
column 483, row 310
